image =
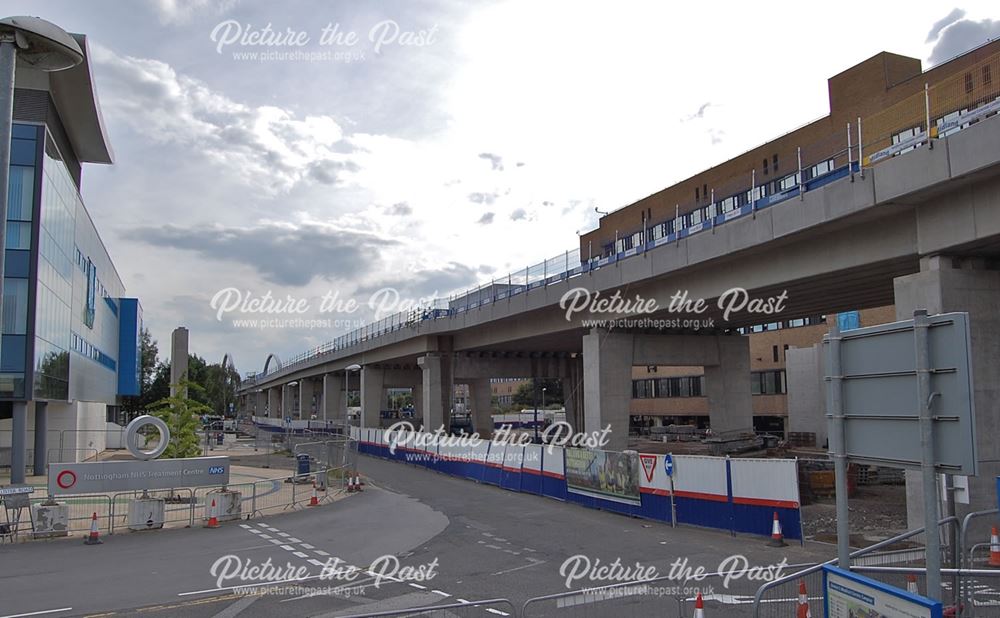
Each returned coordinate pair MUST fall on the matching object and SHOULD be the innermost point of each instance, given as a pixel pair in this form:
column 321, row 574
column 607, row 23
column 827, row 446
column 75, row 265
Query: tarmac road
column 480, row 542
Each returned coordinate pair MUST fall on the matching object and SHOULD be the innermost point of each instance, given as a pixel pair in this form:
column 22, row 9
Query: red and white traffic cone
column 803, row 609
column 94, row 538
column 314, row 500
column 911, row 584
column 358, row 485
column 777, row 539
column 213, row 519
column 350, row 483
column 994, row 548
column 699, row 607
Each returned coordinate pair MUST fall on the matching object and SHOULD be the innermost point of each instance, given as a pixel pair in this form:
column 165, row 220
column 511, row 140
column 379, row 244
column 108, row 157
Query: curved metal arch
column 267, row 362
column 227, row 362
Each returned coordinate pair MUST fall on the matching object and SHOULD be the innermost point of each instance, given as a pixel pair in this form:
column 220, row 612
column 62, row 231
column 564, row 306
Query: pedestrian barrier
column 739, row 495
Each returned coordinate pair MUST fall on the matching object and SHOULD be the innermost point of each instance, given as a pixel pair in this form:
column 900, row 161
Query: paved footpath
column 487, row 543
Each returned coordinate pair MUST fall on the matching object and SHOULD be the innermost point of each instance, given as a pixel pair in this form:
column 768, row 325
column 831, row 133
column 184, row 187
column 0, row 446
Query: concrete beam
column 438, row 390
column 482, row 407
column 607, row 384
column 306, row 389
column 334, row 401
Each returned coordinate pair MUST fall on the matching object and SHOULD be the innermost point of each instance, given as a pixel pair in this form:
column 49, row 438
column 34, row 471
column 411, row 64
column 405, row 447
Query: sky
column 346, row 149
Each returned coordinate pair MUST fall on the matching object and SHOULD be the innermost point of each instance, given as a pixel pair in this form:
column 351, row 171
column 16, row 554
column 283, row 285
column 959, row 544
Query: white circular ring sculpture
column 132, row 433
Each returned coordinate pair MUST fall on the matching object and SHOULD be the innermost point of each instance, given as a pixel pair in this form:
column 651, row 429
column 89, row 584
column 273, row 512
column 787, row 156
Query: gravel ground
column 876, row 513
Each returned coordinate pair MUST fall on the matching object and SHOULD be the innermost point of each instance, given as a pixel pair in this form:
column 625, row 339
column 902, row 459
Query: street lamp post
column 42, row 46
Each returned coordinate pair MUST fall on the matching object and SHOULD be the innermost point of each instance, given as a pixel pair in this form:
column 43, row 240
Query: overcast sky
column 479, row 146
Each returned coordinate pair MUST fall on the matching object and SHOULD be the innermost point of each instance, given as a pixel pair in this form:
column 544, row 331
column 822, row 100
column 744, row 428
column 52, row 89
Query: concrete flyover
column 920, row 229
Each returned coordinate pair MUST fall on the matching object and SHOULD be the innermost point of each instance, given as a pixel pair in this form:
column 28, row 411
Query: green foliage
column 182, row 414
column 217, row 384
column 530, row 394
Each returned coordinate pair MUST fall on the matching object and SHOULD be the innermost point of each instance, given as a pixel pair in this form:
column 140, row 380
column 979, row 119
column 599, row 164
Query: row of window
column 782, row 324
column 770, row 382
column 663, row 388
column 84, row 347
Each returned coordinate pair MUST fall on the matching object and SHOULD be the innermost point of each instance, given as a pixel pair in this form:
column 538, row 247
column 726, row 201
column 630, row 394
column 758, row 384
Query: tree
column 530, row 393
column 133, row 405
column 182, row 414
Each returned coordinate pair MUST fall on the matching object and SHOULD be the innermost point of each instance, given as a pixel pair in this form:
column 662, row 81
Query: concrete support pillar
column 438, row 390
column 372, row 395
column 482, row 407
column 18, row 442
column 274, row 402
column 418, row 403
column 607, row 384
column 728, row 386
column 41, row 436
column 334, row 401
column 178, row 357
column 940, row 287
column 305, row 398
column 573, row 393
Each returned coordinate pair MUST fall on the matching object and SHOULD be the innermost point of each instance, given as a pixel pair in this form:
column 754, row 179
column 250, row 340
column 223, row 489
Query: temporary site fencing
column 332, row 459
column 738, row 495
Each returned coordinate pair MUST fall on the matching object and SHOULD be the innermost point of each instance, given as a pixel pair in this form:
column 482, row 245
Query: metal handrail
column 856, row 553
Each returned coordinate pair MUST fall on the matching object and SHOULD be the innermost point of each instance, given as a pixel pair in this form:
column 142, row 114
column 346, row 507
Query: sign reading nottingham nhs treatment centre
column 145, row 472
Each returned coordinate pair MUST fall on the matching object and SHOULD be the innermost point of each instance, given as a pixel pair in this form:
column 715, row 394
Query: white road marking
column 264, row 536
column 418, row 586
column 39, row 613
column 316, row 562
column 496, row 611
column 523, row 566
column 321, row 552
column 444, row 594
column 276, row 541
column 245, row 526
column 287, row 548
column 292, row 539
column 307, row 546
column 285, row 534
column 300, row 554
column 255, row 531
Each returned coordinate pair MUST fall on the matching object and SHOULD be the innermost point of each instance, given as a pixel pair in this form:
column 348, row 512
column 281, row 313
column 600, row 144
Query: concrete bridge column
column 482, row 407
column 305, row 398
column 438, row 389
column 334, row 402
column 418, row 402
column 945, row 285
column 274, row 402
column 607, row 384
column 573, row 393
column 372, row 395
column 728, row 386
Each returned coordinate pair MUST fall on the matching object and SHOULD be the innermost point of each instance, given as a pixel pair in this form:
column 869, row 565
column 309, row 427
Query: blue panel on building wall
column 848, row 320
column 18, row 263
column 12, row 353
column 22, row 151
column 129, row 353
column 25, row 131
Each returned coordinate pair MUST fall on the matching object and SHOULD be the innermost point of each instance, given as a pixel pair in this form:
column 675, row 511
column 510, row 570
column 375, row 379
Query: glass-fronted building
column 70, row 335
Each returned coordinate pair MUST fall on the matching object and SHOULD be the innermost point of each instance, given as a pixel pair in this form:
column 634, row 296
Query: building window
column 775, row 161
column 768, row 382
column 968, row 82
column 704, row 190
column 774, row 353
column 765, row 166
column 697, row 194
column 987, row 75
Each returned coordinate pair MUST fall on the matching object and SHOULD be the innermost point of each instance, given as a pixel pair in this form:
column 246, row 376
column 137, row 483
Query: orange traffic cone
column 803, row 610
column 994, row 548
column 213, row 520
column 777, row 539
column 699, row 607
column 314, row 500
column 94, row 538
column 911, row 584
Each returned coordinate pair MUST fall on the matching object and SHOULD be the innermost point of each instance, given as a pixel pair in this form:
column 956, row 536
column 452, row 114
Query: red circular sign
column 66, row 479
